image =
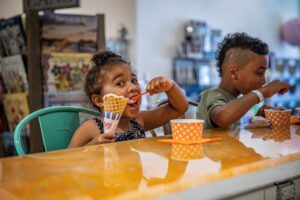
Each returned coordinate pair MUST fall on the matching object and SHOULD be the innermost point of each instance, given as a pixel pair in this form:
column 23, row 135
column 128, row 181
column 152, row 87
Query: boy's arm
column 229, row 113
column 225, row 115
column 176, row 106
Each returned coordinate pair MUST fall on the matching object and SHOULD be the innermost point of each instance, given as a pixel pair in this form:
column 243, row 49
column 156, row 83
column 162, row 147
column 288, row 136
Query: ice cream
column 114, row 106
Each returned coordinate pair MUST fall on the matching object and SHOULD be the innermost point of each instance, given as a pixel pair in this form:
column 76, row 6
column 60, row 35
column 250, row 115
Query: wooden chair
column 167, row 127
column 57, row 124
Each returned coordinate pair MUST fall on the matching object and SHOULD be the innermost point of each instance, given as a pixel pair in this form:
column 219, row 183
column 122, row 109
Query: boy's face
column 252, row 75
column 122, row 81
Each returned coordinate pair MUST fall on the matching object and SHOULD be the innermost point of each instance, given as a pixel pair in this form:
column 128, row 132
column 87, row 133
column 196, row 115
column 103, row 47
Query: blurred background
column 172, row 38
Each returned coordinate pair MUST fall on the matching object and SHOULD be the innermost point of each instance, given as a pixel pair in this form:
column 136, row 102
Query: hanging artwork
column 65, row 72
column 69, row 33
column 16, row 108
column 14, row 74
column 12, row 36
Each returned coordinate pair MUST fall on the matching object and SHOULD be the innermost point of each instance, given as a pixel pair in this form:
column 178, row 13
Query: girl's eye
column 120, row 83
column 134, row 81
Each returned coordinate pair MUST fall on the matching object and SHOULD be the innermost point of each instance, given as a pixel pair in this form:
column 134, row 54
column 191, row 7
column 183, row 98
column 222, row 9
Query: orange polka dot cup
column 186, row 152
column 278, row 117
column 278, row 133
column 187, row 129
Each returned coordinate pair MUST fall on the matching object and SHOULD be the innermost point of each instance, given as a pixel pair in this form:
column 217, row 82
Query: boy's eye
column 260, row 73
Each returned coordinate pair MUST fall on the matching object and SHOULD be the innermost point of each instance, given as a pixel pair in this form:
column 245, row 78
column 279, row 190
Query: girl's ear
column 233, row 71
column 97, row 100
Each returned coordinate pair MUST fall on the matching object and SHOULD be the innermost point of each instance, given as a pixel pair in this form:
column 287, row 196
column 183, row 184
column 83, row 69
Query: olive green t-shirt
column 209, row 99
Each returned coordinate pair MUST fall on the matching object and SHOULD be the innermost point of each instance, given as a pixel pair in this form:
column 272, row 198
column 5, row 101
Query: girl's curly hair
column 239, row 41
column 101, row 63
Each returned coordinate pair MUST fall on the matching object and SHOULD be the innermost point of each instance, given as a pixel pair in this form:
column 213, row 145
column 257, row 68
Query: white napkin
column 258, row 122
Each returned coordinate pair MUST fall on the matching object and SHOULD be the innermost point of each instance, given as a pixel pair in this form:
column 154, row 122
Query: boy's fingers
column 266, row 107
column 284, row 90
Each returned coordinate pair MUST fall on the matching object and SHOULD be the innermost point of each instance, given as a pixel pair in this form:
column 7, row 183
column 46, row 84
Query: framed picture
column 69, row 33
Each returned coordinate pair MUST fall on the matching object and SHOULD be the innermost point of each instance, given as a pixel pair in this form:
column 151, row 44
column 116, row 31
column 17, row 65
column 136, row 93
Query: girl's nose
column 133, row 87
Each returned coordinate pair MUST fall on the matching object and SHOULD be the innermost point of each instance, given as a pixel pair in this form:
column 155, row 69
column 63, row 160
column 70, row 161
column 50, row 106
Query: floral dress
column 136, row 132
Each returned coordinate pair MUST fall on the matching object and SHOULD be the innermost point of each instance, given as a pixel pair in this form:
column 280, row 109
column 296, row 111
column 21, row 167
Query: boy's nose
column 263, row 80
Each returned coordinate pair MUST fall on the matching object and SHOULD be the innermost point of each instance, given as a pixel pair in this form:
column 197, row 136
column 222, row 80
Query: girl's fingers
column 158, row 85
column 105, row 140
column 155, row 91
column 108, row 136
column 163, row 83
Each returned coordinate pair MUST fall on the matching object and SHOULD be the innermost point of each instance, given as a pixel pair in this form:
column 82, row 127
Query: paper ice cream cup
column 111, row 121
column 186, row 152
column 187, row 129
column 278, row 133
column 114, row 106
column 113, row 170
column 279, row 117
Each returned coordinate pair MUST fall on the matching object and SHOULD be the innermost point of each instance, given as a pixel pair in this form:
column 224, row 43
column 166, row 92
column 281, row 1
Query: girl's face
column 120, row 80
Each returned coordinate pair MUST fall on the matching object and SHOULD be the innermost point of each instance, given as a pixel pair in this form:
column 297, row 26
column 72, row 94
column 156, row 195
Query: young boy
column 242, row 62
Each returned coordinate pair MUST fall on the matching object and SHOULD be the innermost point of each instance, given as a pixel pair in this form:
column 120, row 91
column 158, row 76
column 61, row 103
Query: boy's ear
column 233, row 70
column 97, row 100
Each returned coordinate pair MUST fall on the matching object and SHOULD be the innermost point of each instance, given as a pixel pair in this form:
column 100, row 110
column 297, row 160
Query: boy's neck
column 228, row 87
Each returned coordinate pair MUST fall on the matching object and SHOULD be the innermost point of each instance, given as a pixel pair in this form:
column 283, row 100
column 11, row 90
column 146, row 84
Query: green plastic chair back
column 57, row 124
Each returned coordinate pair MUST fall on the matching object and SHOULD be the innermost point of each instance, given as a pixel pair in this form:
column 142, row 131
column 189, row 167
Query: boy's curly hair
column 101, row 63
column 240, row 41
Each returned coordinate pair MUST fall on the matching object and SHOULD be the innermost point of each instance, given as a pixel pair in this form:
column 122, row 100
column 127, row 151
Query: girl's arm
column 88, row 134
column 176, row 106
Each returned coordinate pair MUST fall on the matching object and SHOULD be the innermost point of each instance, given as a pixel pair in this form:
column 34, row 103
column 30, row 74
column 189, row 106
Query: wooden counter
column 146, row 169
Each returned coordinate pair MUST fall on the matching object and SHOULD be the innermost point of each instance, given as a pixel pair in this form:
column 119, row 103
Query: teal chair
column 57, row 125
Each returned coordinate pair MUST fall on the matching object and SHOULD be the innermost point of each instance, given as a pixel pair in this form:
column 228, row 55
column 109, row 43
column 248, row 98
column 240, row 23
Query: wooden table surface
column 145, row 168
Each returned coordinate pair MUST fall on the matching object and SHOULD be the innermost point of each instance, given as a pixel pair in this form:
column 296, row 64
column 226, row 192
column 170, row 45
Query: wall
column 160, row 26
column 156, row 26
column 116, row 12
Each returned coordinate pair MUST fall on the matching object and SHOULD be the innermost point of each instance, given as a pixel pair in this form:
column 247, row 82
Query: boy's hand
column 261, row 111
column 159, row 84
column 104, row 138
column 274, row 87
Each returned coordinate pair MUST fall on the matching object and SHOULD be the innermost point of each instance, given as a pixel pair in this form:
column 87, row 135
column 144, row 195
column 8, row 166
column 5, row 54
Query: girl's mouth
column 133, row 105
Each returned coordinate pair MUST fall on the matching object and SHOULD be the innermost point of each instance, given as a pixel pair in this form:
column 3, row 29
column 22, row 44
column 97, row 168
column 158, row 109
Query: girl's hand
column 159, row 84
column 104, row 138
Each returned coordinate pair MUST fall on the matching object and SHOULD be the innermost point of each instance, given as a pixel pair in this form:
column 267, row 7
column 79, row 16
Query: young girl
column 112, row 74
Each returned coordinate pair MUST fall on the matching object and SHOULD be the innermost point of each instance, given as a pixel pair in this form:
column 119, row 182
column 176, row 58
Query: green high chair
column 57, row 125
